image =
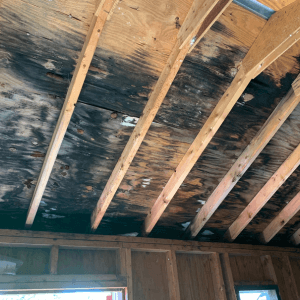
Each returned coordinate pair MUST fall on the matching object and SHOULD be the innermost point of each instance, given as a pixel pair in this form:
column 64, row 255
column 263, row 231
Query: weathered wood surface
column 35, row 72
column 191, row 24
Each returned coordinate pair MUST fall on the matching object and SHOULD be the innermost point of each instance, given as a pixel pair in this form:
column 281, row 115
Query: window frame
column 240, row 288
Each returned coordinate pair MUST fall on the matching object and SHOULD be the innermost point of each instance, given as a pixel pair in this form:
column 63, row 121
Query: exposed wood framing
column 122, row 268
column 64, row 240
column 54, row 259
column 129, row 273
column 278, row 178
column 217, row 276
column 58, row 282
column 284, row 216
column 207, row 132
column 227, row 275
column 277, row 36
column 210, row 19
column 173, row 275
column 74, row 90
column 192, row 23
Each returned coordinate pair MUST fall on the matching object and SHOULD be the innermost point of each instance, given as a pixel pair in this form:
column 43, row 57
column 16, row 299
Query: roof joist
column 283, row 110
column 284, row 216
column 101, row 14
column 198, row 15
column 279, row 34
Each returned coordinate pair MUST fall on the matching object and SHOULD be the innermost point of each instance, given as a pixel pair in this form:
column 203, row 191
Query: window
column 65, row 296
column 257, row 293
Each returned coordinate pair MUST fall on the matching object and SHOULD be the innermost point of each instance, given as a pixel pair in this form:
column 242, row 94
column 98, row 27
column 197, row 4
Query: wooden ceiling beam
column 278, row 35
column 284, row 216
column 211, row 18
column 196, row 16
column 102, row 12
column 265, row 194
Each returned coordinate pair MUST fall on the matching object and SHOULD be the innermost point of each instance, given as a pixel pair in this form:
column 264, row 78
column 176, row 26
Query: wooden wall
column 158, row 269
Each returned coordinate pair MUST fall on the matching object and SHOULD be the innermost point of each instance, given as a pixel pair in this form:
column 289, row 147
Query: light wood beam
column 74, row 90
column 217, row 276
column 284, row 216
column 156, row 98
column 128, row 263
column 211, row 18
column 54, row 259
column 172, row 275
column 270, row 188
column 228, row 278
column 122, row 267
column 278, row 35
column 192, row 31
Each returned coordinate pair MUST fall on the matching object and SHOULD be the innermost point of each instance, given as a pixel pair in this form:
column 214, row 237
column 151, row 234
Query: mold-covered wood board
column 39, row 45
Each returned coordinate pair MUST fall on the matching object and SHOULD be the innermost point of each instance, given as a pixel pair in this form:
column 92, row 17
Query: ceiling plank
column 284, row 216
column 74, row 90
column 157, row 96
column 278, row 35
column 265, row 194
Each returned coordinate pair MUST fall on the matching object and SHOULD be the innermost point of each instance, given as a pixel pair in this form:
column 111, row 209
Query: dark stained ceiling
column 40, row 42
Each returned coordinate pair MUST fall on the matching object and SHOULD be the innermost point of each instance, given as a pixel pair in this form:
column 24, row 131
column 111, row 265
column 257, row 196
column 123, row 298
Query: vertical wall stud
column 217, row 276
column 173, row 276
column 54, row 259
column 228, row 278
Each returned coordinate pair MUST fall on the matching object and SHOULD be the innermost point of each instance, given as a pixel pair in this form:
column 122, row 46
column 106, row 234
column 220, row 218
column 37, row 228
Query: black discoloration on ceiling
column 35, row 74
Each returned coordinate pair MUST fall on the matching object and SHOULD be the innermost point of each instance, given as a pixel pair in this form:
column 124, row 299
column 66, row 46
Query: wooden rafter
column 279, row 34
column 264, row 195
column 197, row 16
column 102, row 12
column 284, row 216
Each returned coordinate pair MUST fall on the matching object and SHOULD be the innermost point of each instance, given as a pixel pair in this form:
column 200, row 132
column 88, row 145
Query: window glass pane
column 258, row 295
column 65, row 296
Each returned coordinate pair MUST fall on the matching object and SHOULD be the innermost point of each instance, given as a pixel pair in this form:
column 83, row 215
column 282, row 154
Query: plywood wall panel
column 35, row 261
column 195, row 277
column 247, row 269
column 86, row 262
column 149, row 276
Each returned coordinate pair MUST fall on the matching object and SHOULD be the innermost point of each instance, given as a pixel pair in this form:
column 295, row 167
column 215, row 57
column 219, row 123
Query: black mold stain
column 122, row 85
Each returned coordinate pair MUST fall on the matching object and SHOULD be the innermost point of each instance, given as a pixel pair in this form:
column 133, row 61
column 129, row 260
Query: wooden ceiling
column 141, row 47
